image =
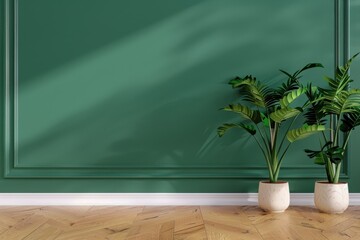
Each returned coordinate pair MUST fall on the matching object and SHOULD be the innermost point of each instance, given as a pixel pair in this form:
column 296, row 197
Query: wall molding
column 14, row 169
column 150, row 199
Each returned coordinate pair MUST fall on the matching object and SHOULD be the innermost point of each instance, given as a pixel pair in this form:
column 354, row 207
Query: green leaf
column 291, row 96
column 335, row 154
column 309, row 66
column 238, row 81
column 226, row 126
column 284, row 113
column 337, row 98
column 345, row 101
column 320, row 158
column 314, row 113
column 304, row 132
column 311, row 153
column 244, row 111
column 265, row 120
column 253, row 91
column 286, row 73
column 293, row 80
column 350, row 120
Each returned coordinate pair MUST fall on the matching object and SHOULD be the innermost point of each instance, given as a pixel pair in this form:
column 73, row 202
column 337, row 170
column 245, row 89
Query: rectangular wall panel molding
column 139, row 98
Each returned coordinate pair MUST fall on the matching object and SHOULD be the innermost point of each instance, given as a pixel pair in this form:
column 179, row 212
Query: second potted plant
column 342, row 104
column 263, row 111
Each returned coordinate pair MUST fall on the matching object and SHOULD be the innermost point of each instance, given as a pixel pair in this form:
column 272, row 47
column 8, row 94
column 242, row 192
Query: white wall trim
column 149, row 199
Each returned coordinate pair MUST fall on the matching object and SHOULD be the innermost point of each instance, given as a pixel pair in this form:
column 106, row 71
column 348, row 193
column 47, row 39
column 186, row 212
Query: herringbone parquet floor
column 174, row 222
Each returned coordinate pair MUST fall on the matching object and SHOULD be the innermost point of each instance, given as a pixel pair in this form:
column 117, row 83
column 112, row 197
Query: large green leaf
column 291, row 84
column 304, row 132
column 351, row 120
column 337, row 98
column 226, row 126
column 314, row 113
column 265, row 120
column 244, row 111
column 251, row 90
column 335, row 154
column 343, row 102
column 238, row 81
column 293, row 79
column 308, row 66
column 342, row 77
column 291, row 96
column 320, row 158
column 284, row 113
column 314, row 153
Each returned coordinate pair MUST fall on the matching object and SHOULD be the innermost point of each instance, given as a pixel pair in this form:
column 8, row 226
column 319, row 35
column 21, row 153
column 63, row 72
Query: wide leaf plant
column 263, row 111
column 341, row 104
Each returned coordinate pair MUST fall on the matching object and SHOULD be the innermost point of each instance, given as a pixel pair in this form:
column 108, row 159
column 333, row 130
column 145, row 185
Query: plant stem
column 325, row 139
column 338, row 123
column 337, row 173
column 263, row 127
column 275, row 178
column 273, row 138
column 263, row 139
column 266, row 158
column 276, row 175
column 330, row 170
column 347, row 140
column 274, row 161
column 277, row 127
column 287, row 130
column 328, row 173
column 271, row 134
column 281, row 158
column 261, row 147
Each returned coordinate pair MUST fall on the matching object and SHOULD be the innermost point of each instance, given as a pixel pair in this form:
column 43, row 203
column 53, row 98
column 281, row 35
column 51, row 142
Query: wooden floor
column 175, row 222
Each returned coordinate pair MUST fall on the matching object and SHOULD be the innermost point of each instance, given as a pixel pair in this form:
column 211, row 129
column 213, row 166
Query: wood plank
column 102, row 223
column 228, row 223
column 24, row 227
column 175, row 223
column 44, row 232
column 167, row 231
column 193, row 233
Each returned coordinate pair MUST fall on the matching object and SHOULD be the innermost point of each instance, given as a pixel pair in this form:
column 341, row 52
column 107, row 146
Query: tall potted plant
column 342, row 104
column 263, row 111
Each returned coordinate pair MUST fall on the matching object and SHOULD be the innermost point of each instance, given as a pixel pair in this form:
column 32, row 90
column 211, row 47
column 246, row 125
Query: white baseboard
column 300, row 199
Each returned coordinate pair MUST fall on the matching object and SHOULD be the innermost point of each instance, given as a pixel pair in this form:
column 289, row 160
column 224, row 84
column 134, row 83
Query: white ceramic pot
column 274, row 197
column 331, row 197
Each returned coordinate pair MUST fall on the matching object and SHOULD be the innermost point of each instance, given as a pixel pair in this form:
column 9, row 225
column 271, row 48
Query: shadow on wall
column 54, row 33
column 119, row 83
column 355, row 40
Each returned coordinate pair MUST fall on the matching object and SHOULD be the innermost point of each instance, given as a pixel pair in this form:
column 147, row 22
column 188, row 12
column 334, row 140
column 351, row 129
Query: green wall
column 122, row 96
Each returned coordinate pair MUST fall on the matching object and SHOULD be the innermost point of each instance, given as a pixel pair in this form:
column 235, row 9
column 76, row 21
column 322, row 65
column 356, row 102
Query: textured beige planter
column 331, row 197
column 274, row 197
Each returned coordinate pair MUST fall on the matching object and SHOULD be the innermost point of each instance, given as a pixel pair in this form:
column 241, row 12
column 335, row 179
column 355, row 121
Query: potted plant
column 342, row 105
column 263, row 111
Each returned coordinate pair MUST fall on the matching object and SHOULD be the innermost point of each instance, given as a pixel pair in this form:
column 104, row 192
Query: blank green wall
column 122, row 96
